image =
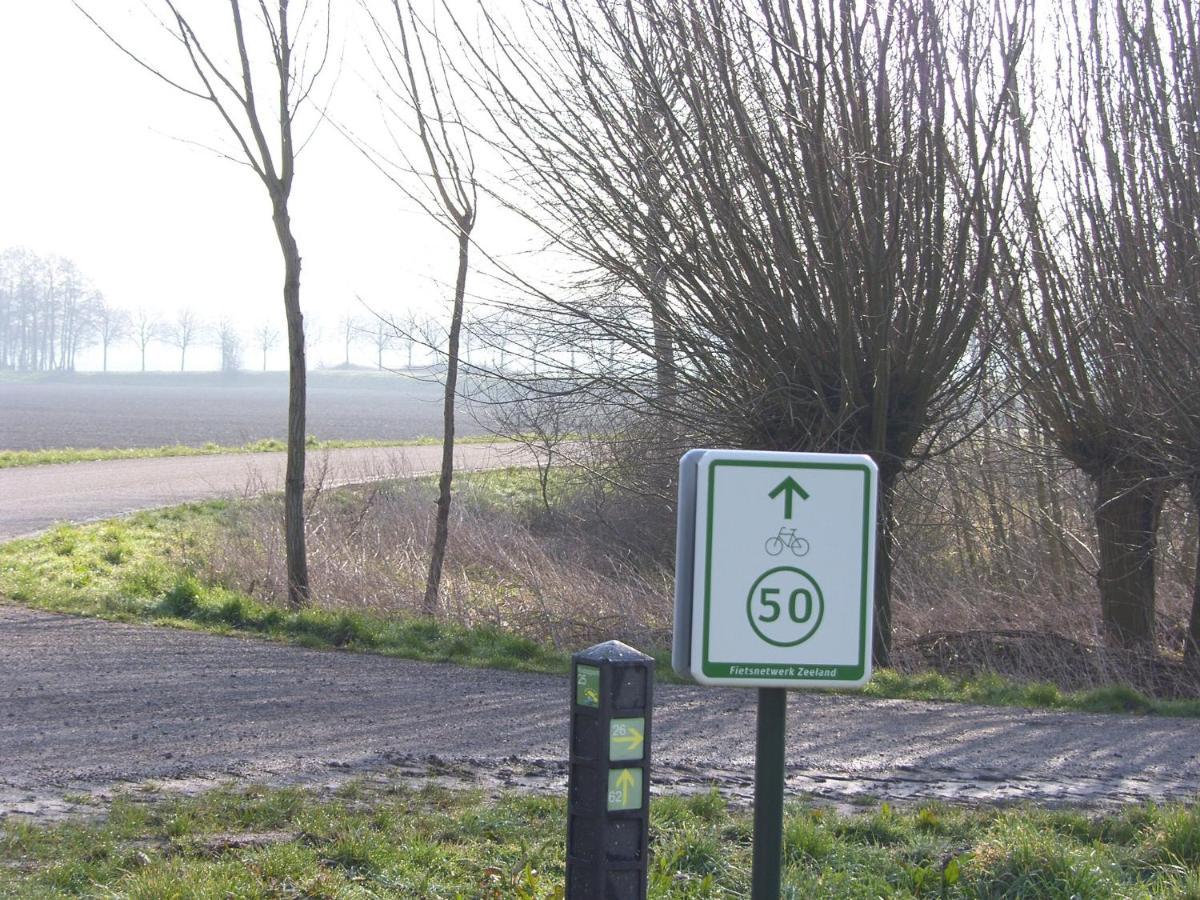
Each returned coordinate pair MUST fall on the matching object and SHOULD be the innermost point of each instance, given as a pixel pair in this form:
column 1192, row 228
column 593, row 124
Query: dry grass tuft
column 545, row 576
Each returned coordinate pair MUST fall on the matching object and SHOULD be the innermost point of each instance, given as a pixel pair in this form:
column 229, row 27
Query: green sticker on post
column 624, row 789
column 627, row 738
column 587, row 686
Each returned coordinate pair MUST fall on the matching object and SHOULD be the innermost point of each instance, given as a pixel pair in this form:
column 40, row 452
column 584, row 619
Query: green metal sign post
column 774, row 590
column 608, row 784
column 768, row 793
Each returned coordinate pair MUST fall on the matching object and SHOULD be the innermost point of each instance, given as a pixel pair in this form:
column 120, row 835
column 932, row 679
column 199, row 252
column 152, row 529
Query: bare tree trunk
column 265, row 140
column 1128, row 505
column 442, row 526
column 293, row 489
column 1191, row 650
column 881, row 642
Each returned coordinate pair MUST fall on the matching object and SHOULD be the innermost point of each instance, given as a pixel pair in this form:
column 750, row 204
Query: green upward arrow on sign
column 788, row 487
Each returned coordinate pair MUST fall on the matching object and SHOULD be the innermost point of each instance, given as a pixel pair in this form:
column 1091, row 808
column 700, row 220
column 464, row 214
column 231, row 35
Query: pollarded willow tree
column 791, row 208
column 285, row 47
column 1110, row 212
column 1152, row 157
column 1174, row 363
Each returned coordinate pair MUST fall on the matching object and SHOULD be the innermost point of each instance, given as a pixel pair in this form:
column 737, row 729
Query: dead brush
column 1038, row 656
column 978, row 586
column 368, row 548
column 984, row 584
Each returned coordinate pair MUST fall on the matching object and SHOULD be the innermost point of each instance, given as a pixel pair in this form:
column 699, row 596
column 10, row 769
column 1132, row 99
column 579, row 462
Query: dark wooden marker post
column 608, row 785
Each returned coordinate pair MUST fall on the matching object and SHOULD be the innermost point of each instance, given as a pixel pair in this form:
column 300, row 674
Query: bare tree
column 110, row 323
column 350, row 328
column 1172, row 352
column 147, row 328
column 266, row 338
column 182, row 333
column 410, row 343
column 412, row 65
column 70, row 321
column 266, row 142
column 1107, row 257
column 383, row 336
column 1141, row 204
column 814, row 241
column 494, row 332
column 229, row 343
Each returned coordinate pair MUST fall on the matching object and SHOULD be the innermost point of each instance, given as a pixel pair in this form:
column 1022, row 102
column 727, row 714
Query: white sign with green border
column 779, row 587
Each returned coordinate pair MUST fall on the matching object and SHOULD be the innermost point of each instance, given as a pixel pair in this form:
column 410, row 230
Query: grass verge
column 13, row 458
column 993, row 690
column 394, row 841
column 139, row 569
column 134, row 570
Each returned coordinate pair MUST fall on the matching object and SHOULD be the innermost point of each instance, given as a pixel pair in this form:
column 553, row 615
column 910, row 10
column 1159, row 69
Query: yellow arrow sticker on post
column 627, row 738
column 587, row 686
column 624, row 789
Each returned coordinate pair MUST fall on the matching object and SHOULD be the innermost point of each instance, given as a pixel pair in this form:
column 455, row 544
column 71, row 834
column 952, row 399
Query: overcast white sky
column 96, row 165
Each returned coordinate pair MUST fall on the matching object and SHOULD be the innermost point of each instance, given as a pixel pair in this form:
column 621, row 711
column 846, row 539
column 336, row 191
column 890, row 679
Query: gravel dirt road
column 32, row 498
column 87, row 706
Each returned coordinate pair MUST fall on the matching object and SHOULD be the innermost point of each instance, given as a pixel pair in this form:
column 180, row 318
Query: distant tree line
column 49, row 311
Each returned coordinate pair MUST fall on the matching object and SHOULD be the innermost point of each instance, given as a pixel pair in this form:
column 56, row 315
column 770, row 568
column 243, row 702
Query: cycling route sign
column 775, row 565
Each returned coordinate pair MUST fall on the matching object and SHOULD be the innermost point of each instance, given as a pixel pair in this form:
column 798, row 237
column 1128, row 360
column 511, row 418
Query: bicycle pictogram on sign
column 788, row 538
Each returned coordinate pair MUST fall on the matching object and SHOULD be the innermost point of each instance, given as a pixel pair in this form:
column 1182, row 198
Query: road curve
column 32, row 498
column 87, row 705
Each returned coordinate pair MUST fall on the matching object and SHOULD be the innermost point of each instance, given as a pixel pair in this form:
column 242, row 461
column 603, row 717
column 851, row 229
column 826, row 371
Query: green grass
column 13, row 458
column 136, row 570
column 387, row 840
column 132, row 570
column 993, row 690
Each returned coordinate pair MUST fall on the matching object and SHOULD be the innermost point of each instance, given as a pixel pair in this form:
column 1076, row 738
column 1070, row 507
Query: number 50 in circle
column 785, row 606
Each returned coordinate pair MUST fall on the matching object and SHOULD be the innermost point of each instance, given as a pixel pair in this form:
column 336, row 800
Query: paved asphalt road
column 88, row 705
column 32, row 498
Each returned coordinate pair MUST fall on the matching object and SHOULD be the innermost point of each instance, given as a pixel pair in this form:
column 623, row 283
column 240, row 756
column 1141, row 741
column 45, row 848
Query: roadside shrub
column 183, row 598
column 554, row 579
column 348, row 629
column 233, row 612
